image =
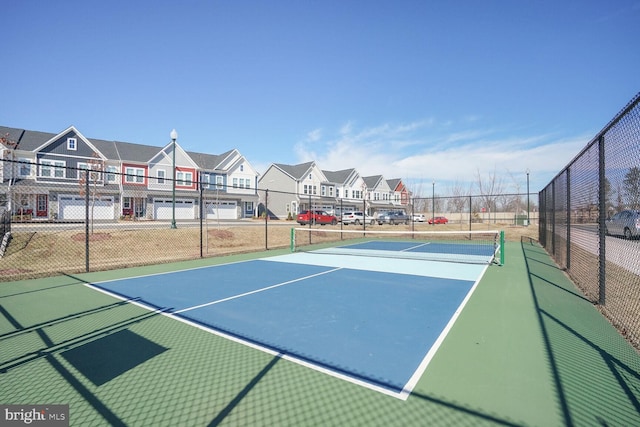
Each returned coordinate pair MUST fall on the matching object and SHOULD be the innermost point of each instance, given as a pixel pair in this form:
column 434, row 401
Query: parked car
column 438, row 220
column 625, row 223
column 316, row 217
column 357, row 218
column 394, row 217
column 419, row 218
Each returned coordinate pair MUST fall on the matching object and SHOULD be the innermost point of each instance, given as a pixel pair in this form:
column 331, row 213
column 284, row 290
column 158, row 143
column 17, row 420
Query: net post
column 292, row 240
column 501, row 247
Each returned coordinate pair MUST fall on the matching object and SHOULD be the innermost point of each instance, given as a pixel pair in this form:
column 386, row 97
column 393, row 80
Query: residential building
column 46, row 174
column 293, row 188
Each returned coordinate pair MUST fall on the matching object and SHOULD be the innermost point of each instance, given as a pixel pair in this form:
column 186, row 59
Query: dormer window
column 72, row 144
column 241, row 168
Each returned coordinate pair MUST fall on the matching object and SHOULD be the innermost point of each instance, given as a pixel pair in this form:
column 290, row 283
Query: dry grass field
column 50, row 251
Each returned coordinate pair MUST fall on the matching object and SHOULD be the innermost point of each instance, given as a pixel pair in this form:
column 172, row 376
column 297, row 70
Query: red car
column 316, row 217
column 438, row 220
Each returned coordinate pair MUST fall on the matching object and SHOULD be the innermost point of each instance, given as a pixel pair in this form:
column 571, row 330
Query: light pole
column 174, row 136
column 528, row 197
column 433, row 202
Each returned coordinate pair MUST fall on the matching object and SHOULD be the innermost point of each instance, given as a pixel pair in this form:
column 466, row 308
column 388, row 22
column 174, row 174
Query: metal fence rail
column 581, row 225
column 82, row 226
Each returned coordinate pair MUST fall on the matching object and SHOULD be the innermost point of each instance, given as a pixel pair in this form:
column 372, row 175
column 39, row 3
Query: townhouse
column 294, row 188
column 45, row 176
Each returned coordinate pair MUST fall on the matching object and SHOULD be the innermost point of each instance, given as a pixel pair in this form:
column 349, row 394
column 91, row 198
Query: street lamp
column 174, row 136
column 433, row 203
column 528, row 221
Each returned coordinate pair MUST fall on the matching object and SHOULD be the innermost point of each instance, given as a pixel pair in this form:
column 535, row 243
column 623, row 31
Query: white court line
column 415, row 247
column 277, row 285
column 413, row 381
column 402, row 395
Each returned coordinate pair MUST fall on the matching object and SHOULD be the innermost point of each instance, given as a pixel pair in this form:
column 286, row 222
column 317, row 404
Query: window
column 184, row 178
column 235, row 182
column 134, row 175
column 204, row 180
column 323, row 190
column 160, row 174
column 25, row 167
column 219, row 183
column 315, row 190
column 49, row 169
column 247, row 183
column 306, row 189
column 72, row 144
column 111, row 176
column 337, row 192
column 241, row 168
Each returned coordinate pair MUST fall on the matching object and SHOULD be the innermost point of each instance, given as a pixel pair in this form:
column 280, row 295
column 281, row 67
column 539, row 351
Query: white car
column 357, row 218
column 419, row 218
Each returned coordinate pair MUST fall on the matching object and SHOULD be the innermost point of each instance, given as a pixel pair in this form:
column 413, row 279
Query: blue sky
column 419, row 90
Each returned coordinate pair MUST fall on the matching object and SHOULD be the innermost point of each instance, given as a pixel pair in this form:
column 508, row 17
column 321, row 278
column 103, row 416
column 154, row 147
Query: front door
column 42, row 205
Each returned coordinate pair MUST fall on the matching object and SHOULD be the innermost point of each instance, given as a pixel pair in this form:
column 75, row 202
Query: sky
column 451, row 93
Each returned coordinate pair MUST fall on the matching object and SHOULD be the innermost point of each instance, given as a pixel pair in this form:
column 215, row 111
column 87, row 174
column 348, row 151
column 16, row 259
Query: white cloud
column 423, row 151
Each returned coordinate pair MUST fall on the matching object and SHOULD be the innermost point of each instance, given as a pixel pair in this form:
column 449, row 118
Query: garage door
column 221, row 210
column 72, row 207
column 162, row 209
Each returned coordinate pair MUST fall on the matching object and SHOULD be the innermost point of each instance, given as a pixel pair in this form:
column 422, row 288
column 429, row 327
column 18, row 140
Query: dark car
column 394, row 217
column 625, row 223
column 438, row 220
column 316, row 217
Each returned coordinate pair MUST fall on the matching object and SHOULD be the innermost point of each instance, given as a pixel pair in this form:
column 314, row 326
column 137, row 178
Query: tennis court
column 374, row 322
column 333, row 333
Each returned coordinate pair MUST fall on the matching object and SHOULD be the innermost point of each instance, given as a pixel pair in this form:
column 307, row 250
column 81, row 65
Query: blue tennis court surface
column 375, row 322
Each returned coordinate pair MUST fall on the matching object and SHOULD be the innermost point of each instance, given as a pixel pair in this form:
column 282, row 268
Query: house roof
column 393, row 183
column 128, row 151
column 339, row 177
column 296, row 171
column 29, row 140
column 208, row 161
column 372, row 181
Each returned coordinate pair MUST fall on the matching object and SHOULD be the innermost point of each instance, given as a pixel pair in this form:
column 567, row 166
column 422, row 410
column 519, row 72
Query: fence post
column 602, row 206
column 201, row 215
column 568, row 242
column 553, row 218
column 266, row 219
column 86, row 222
column 470, row 212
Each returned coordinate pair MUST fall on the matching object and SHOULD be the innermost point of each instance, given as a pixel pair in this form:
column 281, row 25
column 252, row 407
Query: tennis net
column 477, row 247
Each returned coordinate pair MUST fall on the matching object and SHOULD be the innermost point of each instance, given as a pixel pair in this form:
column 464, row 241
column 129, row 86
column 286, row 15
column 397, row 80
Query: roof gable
column 59, row 144
column 165, row 156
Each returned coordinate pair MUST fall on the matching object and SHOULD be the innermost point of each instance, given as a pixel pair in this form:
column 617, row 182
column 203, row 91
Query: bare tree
column 7, row 167
column 459, row 198
column 489, row 189
column 631, row 188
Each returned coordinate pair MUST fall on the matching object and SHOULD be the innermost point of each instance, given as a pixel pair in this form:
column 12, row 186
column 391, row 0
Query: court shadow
column 108, row 357
column 592, row 368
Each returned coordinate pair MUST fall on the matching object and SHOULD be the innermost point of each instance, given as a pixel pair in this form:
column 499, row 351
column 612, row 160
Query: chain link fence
column 88, row 225
column 590, row 220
